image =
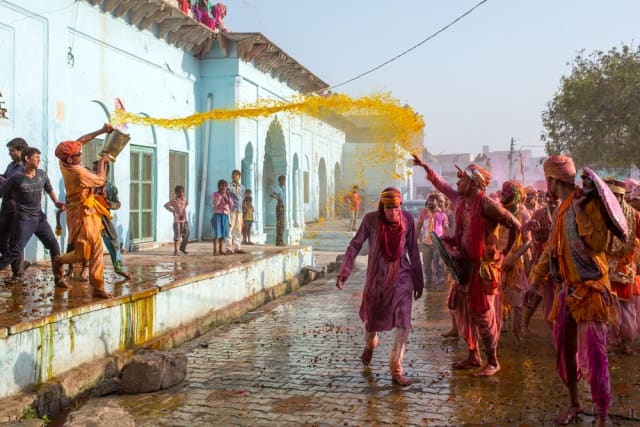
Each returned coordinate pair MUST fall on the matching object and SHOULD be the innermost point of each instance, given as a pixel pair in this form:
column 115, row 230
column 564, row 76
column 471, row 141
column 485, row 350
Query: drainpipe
column 205, row 165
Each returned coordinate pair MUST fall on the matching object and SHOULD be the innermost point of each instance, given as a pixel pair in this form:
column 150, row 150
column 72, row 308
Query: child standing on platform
column 247, row 217
column 220, row 221
column 178, row 207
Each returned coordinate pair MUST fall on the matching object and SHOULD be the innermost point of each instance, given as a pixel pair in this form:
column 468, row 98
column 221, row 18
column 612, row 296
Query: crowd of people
column 206, row 12
column 575, row 249
column 90, row 198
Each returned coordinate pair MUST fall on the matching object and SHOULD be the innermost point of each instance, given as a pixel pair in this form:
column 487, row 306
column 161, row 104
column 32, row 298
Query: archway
column 274, row 165
column 295, row 191
column 338, row 192
column 322, row 186
column 247, row 170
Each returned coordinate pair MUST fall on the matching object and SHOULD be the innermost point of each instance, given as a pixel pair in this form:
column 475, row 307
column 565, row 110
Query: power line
column 415, row 46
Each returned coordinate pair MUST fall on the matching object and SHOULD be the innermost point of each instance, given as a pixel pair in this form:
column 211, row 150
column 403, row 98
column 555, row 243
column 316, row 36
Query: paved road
column 295, row 361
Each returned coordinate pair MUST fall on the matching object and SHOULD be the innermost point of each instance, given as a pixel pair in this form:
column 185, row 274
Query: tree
column 595, row 115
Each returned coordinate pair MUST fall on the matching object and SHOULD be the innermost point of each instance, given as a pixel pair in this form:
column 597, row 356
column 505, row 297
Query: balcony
column 165, row 19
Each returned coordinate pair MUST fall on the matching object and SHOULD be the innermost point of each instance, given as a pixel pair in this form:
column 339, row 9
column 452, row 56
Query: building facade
column 69, row 65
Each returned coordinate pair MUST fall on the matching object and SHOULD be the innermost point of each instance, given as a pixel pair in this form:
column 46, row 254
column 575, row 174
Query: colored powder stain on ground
column 295, row 361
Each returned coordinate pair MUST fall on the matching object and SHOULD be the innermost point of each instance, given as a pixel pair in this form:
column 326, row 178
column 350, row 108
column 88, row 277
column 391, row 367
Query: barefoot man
column 394, row 276
column 84, row 212
column 474, row 245
column 575, row 257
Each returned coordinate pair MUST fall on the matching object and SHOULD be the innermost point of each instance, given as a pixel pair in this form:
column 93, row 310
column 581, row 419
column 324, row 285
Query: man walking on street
column 394, row 277
column 432, row 219
column 575, row 257
column 353, row 201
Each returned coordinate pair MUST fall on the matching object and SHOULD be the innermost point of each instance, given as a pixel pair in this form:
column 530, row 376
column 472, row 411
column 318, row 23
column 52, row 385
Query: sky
column 483, row 81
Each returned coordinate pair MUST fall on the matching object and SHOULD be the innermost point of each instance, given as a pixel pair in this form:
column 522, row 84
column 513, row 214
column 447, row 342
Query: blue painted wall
column 51, row 98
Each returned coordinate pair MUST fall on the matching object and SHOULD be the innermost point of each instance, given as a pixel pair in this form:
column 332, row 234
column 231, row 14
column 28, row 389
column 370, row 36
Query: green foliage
column 29, row 413
column 595, row 115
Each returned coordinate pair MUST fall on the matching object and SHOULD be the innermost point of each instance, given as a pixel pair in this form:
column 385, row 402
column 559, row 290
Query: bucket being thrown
column 114, row 143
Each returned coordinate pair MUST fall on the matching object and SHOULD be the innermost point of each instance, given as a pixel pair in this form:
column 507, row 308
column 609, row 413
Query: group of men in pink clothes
column 574, row 253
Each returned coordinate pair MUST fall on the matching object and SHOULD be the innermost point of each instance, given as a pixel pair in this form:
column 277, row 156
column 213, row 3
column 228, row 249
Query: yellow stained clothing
column 589, row 300
column 84, row 221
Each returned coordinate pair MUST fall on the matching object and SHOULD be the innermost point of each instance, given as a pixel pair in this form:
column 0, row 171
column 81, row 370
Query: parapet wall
column 36, row 352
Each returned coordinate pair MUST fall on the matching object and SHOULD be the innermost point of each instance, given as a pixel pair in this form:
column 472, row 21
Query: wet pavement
column 36, row 297
column 295, row 361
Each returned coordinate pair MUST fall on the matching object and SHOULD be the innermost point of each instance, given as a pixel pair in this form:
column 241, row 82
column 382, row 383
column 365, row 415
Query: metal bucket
column 114, row 143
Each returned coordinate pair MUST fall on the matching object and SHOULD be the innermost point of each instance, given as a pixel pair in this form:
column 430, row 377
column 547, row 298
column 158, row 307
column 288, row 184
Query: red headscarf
column 66, row 149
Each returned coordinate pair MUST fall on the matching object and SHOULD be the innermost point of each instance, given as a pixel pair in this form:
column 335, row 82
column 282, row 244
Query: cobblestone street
column 295, row 361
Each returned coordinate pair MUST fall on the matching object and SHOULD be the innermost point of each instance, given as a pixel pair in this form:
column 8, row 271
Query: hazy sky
column 481, row 82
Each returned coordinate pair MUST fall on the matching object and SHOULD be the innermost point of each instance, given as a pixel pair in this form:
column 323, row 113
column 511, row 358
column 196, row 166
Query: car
column 414, row 206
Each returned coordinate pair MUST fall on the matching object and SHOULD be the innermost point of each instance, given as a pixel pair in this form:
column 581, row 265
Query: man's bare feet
column 101, row 293
column 600, row 421
column 488, row 370
column 470, row 362
column 367, row 355
column 61, row 283
column 176, row 253
column 401, row 380
column 450, row 334
column 569, row 414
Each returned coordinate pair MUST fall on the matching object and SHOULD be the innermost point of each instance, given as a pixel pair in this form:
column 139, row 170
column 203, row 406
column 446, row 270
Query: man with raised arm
column 84, row 212
column 474, row 246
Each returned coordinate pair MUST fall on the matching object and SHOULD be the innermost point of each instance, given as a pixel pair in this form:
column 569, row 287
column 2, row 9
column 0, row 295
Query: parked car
column 413, row 206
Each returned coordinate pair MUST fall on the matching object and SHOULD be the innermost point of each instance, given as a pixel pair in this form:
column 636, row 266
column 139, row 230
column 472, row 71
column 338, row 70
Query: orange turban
column 477, row 174
column 391, row 197
column 561, row 168
column 66, row 149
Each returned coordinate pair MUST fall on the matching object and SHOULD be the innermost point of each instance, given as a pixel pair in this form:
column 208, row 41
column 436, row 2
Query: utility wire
column 415, row 46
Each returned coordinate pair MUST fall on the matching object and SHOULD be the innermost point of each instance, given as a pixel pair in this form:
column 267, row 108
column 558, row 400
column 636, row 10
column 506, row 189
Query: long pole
column 511, row 150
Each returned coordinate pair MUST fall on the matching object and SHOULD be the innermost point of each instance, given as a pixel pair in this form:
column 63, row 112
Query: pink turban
column 629, row 184
column 66, row 149
column 635, row 193
column 561, row 168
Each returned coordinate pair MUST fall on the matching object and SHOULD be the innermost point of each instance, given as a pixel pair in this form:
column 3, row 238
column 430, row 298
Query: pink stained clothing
column 626, row 327
column 221, row 203
column 438, row 222
column 475, row 237
column 178, row 207
column 591, row 357
column 383, row 306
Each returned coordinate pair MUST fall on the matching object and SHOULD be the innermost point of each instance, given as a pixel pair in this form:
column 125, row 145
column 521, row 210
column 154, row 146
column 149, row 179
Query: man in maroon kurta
column 394, row 276
column 474, row 245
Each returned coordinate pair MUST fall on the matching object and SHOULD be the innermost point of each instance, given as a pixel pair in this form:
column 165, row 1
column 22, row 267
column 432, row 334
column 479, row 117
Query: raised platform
column 45, row 332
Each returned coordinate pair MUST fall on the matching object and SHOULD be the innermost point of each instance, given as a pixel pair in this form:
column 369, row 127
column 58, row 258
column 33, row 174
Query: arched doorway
column 338, row 192
column 247, row 171
column 322, row 186
column 274, row 165
column 295, row 192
